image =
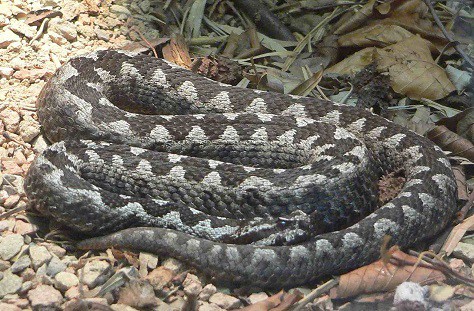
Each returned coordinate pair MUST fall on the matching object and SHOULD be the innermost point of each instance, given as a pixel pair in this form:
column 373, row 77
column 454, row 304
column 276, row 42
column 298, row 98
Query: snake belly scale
column 250, row 187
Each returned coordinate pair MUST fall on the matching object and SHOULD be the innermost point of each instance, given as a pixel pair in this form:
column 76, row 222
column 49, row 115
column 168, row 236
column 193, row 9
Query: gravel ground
column 40, row 275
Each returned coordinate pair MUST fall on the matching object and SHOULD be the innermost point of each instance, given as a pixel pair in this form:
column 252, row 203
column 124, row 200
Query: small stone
column 192, row 285
column 118, row 10
column 206, row 306
column 256, row 297
column 10, row 245
column 55, row 266
column 138, row 294
column 45, row 297
column 11, row 201
column 178, row 303
column 160, row 277
column 55, row 249
column 65, row 29
column 207, row 292
column 173, row 264
column 24, row 228
column 57, row 38
column 225, row 301
column 72, row 293
column 11, row 119
column 7, row 37
column 147, row 261
column 14, row 47
column 96, row 273
column 6, row 224
column 39, row 255
column 26, row 286
column 410, row 293
column 102, row 34
column 9, row 307
column 31, row 74
column 122, row 307
column 10, row 283
column 4, row 265
column 441, row 293
column 28, row 274
column 39, row 144
column 464, row 251
column 29, row 128
column 65, row 280
column 21, row 264
column 467, row 307
column 6, row 72
column 22, row 28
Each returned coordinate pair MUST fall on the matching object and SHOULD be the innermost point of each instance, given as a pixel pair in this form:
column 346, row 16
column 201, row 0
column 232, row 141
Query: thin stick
column 447, row 35
column 316, row 293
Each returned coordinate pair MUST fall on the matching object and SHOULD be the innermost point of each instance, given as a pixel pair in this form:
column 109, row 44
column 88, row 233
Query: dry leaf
column 358, row 18
column 354, row 63
column 374, row 35
column 307, row 86
column 457, row 234
column 413, row 71
column 451, row 141
column 381, row 277
column 177, row 51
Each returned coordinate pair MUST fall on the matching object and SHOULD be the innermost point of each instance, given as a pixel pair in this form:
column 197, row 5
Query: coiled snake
column 250, row 187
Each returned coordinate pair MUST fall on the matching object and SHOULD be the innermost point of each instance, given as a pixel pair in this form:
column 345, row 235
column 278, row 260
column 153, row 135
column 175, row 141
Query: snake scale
column 250, row 187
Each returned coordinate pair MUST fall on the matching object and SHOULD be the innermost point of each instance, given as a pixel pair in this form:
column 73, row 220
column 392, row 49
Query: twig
column 13, row 211
column 146, row 41
column 318, row 291
column 40, row 30
column 442, row 266
column 447, row 35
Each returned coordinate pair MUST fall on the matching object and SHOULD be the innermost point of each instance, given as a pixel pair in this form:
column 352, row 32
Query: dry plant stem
column 264, row 19
column 40, row 31
column 441, row 266
column 447, row 35
column 146, row 41
column 318, row 291
column 13, row 211
column 207, row 40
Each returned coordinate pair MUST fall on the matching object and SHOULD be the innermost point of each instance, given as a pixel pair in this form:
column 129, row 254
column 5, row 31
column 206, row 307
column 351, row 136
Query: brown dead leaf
column 461, row 123
column 457, row 234
column 354, row 19
column 177, row 51
column 451, row 141
column 354, row 63
column 36, row 17
column 380, row 277
column 374, row 35
column 413, row 71
column 278, row 302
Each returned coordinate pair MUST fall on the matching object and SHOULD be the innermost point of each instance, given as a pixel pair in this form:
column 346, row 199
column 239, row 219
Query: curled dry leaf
column 381, row 277
column 177, row 51
column 374, row 35
column 278, row 302
column 457, row 234
column 451, row 141
column 354, row 63
column 353, row 20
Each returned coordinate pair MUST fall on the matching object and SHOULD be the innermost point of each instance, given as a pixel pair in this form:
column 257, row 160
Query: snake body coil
column 249, row 186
